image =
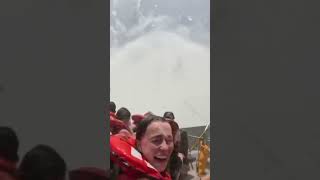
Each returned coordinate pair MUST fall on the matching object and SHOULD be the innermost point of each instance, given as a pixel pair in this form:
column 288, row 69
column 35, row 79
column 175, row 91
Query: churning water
column 160, row 58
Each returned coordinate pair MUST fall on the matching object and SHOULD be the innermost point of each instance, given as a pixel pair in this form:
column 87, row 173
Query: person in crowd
column 120, row 124
column 169, row 115
column 112, row 110
column 124, row 115
column 183, row 150
column 153, row 144
column 42, row 163
column 112, row 107
column 116, row 125
column 175, row 163
column 155, row 138
column 9, row 145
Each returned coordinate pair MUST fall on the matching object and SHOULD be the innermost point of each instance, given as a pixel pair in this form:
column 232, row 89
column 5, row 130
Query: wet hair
column 123, row 114
column 42, row 163
column 168, row 115
column 112, row 107
column 184, row 143
column 144, row 124
column 9, row 144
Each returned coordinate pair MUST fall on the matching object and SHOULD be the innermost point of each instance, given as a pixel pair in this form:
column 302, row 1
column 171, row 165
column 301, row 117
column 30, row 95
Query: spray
column 159, row 60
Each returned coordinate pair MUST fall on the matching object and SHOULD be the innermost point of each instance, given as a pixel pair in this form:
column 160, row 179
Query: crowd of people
column 146, row 146
column 142, row 146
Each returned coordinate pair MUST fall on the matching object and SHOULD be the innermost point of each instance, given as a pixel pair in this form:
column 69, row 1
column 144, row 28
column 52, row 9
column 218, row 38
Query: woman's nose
column 164, row 146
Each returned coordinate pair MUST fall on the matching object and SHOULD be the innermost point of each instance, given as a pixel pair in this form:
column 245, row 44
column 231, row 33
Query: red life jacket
column 113, row 115
column 131, row 161
column 116, row 125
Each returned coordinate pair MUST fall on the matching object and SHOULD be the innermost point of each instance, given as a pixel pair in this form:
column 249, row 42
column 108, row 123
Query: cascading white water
column 160, row 58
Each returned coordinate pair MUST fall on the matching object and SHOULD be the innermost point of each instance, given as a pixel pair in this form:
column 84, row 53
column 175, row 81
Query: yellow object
column 204, row 152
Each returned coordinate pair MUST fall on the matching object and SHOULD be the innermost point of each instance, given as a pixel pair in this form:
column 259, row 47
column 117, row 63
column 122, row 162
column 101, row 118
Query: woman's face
column 157, row 144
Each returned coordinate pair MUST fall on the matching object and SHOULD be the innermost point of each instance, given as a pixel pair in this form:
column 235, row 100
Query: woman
column 146, row 156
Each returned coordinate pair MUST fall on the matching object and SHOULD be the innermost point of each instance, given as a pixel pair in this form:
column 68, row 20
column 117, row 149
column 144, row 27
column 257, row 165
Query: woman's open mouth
column 161, row 158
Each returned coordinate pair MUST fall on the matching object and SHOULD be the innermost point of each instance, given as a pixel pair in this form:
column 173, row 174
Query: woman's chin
column 161, row 168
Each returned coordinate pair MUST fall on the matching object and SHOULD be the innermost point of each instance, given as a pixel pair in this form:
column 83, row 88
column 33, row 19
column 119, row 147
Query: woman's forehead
column 159, row 128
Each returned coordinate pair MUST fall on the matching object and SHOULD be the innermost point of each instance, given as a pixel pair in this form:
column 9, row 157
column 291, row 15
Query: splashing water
column 160, row 58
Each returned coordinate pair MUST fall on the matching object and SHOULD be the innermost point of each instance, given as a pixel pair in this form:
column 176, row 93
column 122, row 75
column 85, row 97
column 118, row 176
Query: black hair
column 112, row 107
column 9, row 144
column 41, row 163
column 184, row 144
column 123, row 114
column 168, row 115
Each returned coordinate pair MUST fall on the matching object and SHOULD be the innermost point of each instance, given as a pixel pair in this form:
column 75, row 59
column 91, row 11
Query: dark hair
column 123, row 114
column 112, row 107
column 148, row 114
column 184, row 143
column 168, row 115
column 143, row 125
column 9, row 144
column 42, row 162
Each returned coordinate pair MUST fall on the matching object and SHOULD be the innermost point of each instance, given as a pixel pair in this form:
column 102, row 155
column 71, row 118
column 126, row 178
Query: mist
column 160, row 58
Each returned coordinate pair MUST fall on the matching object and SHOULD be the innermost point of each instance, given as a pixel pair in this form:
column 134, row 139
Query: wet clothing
column 131, row 162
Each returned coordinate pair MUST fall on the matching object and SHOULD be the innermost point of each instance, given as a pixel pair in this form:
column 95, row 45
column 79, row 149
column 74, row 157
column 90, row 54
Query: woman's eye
column 157, row 141
column 169, row 141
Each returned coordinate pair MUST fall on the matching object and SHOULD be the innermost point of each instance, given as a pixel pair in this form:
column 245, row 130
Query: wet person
column 153, row 147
